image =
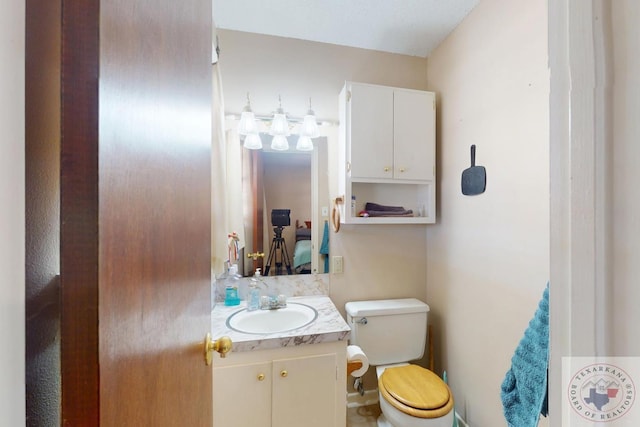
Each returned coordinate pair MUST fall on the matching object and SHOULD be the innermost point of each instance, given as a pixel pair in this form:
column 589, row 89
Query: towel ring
column 335, row 214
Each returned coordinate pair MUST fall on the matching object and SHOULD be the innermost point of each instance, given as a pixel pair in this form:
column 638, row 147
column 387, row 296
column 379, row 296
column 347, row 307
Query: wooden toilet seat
column 416, row 391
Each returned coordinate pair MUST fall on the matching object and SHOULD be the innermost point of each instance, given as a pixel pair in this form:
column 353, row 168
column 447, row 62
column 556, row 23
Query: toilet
column 391, row 333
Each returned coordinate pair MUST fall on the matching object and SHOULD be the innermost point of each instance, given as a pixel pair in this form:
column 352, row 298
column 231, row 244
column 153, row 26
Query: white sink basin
column 293, row 316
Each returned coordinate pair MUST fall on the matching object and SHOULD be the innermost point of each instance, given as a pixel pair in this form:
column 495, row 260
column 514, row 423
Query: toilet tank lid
column 385, row 307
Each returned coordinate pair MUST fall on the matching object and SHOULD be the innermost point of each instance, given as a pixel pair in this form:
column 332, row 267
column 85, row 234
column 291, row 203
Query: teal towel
column 524, row 389
column 324, row 246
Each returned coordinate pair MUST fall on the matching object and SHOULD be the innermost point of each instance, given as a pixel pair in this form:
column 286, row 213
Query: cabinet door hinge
column 348, row 95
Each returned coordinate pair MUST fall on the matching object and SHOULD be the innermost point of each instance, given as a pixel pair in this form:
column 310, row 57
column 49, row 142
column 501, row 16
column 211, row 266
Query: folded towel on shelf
column 386, row 213
column 524, row 389
column 382, row 208
column 374, row 209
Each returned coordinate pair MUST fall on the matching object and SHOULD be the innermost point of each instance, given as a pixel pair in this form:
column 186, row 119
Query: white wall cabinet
column 387, row 151
column 288, row 387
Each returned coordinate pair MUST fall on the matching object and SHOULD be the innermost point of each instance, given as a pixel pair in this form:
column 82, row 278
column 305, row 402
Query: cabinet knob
column 401, row 169
column 260, row 377
column 283, row 374
column 386, row 168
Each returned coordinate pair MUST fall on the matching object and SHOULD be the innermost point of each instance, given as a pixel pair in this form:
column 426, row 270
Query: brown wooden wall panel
column 42, row 179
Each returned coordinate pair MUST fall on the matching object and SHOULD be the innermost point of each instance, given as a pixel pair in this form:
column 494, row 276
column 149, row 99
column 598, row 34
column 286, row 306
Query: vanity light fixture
column 308, row 130
column 248, row 124
column 279, row 124
column 309, row 126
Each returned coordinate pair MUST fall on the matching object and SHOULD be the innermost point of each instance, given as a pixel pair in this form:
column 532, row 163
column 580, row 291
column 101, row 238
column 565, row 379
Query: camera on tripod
column 278, row 252
column 280, row 217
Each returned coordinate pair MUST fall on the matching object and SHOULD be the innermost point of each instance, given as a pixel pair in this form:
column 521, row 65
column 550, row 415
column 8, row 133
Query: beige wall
column 488, row 255
column 267, row 66
column 12, row 216
column 379, row 261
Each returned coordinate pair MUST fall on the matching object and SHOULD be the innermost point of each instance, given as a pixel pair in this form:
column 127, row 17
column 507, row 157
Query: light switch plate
column 325, row 211
column 338, row 266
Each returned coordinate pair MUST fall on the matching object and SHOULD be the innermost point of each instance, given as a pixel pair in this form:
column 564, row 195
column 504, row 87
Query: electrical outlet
column 325, row 211
column 338, row 266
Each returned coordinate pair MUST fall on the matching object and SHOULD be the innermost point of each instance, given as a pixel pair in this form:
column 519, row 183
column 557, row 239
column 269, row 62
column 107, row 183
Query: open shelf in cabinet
column 411, row 196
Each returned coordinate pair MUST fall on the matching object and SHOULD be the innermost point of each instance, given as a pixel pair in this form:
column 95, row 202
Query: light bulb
column 304, row 143
column 309, row 125
column 247, row 123
column 279, row 143
column 253, row 141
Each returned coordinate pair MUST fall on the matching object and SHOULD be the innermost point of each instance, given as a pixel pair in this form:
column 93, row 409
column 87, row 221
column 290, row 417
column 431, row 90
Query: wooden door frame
column 580, row 176
column 80, row 403
column 257, row 199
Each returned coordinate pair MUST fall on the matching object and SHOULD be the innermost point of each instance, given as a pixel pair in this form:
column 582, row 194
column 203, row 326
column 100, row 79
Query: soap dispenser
column 253, row 302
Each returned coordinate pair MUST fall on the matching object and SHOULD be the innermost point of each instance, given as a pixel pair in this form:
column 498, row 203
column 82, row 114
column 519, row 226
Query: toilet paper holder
column 353, row 366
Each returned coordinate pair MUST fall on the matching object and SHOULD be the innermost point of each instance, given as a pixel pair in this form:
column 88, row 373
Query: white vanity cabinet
column 387, row 151
column 286, row 387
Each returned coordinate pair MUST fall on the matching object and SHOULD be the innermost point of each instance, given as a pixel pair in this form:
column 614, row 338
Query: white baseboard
column 461, row 422
column 354, row 400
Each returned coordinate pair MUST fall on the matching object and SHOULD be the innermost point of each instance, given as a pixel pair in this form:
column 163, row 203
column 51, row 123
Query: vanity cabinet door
column 242, row 395
column 304, row 391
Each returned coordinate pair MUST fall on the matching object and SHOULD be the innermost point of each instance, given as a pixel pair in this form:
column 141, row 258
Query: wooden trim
column 353, row 366
column 257, row 194
column 580, row 179
column 79, row 213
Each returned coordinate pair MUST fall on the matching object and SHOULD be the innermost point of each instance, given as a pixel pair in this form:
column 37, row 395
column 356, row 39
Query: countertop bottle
column 231, row 291
column 253, row 300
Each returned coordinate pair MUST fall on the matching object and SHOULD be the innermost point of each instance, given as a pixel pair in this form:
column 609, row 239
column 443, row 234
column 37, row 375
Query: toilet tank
column 388, row 331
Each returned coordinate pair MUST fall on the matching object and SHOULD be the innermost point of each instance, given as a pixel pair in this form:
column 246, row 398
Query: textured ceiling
column 408, row 27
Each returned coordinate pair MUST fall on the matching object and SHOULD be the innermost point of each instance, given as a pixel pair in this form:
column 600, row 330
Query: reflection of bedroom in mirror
column 288, row 190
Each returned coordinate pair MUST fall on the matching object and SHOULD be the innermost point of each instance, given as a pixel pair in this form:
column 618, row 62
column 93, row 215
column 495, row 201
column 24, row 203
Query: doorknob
column 222, row 346
column 255, row 255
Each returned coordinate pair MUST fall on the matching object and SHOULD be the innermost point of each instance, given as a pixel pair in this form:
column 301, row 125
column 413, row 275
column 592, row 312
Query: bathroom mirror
column 293, row 181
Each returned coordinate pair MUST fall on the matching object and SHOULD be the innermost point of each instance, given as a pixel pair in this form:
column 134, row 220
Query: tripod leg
column 285, row 257
column 271, row 253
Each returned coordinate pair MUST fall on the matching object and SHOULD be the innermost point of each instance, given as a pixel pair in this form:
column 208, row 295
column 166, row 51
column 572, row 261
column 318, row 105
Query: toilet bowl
column 412, row 396
column 391, row 333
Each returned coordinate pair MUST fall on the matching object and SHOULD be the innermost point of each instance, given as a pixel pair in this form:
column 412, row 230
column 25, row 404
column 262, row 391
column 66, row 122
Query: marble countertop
column 329, row 326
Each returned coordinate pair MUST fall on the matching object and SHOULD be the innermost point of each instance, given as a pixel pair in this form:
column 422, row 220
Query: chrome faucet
column 273, row 302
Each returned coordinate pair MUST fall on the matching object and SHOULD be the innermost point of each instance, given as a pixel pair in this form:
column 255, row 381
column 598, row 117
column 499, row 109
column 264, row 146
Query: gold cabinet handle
column 222, row 346
column 386, row 168
column 261, row 377
column 284, row 374
column 401, row 169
